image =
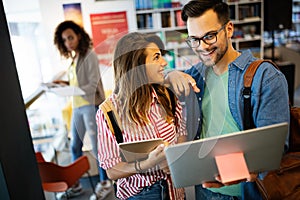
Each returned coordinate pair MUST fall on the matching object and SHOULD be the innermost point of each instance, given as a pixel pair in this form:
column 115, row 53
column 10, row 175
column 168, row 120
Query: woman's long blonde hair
column 131, row 83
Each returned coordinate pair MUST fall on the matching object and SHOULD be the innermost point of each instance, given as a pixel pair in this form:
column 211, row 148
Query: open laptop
column 193, row 163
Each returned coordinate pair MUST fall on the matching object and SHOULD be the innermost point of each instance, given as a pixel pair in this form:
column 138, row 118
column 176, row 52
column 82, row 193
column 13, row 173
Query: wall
column 52, row 14
column 19, row 10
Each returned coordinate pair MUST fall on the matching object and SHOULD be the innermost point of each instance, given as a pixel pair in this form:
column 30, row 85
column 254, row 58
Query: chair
column 56, row 178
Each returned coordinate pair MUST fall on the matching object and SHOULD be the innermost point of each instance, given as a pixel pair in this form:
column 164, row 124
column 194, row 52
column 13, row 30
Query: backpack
column 283, row 183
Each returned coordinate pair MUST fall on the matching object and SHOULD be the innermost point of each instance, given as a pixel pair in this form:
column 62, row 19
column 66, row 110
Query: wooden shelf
column 167, row 23
column 247, row 17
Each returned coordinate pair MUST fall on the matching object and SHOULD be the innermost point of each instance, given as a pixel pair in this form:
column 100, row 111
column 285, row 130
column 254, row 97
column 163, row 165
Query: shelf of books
column 248, row 25
column 163, row 17
column 296, row 19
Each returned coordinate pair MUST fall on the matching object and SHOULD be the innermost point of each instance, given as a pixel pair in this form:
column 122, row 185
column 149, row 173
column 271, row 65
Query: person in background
column 144, row 107
column 219, row 75
column 74, row 43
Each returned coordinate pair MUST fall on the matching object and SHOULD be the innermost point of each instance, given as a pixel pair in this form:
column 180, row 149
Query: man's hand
column 181, row 82
column 218, row 183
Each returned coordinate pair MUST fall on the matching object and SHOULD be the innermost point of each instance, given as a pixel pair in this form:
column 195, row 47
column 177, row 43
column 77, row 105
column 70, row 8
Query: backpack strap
column 248, row 78
column 112, row 119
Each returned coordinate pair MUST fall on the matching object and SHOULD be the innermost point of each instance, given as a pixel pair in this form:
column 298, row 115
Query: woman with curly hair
column 74, row 43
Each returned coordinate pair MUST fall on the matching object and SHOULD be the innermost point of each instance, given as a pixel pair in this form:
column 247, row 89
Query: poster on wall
column 73, row 12
column 107, row 29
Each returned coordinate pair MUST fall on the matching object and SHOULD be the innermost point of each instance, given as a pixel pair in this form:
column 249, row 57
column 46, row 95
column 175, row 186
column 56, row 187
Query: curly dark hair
column 85, row 42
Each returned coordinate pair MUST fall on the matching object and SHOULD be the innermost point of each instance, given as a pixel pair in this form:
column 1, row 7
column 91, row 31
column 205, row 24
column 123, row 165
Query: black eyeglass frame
column 211, row 33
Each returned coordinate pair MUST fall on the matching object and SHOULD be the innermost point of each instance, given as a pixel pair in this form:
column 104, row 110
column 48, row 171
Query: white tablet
column 193, row 163
column 139, row 150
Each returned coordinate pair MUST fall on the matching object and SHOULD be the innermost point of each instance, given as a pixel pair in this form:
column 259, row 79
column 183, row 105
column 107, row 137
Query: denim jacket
column 269, row 98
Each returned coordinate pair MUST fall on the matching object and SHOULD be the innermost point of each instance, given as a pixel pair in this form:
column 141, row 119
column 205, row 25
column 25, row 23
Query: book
column 139, row 150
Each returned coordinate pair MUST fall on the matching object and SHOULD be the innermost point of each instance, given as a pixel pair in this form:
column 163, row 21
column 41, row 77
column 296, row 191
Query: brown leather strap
column 248, row 77
column 107, row 107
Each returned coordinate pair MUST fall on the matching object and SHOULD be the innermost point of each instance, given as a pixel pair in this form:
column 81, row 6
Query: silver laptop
column 193, row 163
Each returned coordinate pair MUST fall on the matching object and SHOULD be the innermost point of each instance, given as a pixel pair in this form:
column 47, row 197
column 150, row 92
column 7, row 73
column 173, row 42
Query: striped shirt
column 108, row 150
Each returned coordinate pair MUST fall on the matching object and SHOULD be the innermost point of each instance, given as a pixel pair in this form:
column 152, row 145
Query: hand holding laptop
column 204, row 155
column 218, row 183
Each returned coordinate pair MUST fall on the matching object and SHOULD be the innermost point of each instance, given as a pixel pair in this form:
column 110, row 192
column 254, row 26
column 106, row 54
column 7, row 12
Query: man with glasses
column 209, row 38
column 219, row 75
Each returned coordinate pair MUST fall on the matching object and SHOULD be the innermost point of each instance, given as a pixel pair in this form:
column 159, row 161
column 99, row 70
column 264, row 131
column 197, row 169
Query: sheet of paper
column 62, row 89
column 232, row 167
column 67, row 91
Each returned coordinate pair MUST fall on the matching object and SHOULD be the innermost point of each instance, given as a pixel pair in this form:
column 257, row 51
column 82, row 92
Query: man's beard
column 219, row 55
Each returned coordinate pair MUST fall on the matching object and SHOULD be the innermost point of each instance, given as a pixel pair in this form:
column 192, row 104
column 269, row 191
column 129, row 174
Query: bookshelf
column 163, row 17
column 248, row 25
column 296, row 17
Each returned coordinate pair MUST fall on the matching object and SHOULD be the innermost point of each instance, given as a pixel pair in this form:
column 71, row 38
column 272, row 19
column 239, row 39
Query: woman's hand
column 155, row 157
column 163, row 165
column 181, row 82
column 125, row 169
column 160, row 158
column 61, row 82
column 218, row 183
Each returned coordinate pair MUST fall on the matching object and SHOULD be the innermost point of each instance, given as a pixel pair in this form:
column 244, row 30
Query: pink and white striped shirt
column 108, row 149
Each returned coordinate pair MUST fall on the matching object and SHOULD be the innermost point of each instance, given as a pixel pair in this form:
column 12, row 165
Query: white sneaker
column 102, row 190
column 71, row 192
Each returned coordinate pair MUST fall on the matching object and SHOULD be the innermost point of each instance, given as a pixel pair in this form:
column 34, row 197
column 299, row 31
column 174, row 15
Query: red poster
column 107, row 29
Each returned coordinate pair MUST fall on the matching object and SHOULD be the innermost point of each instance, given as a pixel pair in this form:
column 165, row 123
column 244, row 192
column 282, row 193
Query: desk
column 42, row 140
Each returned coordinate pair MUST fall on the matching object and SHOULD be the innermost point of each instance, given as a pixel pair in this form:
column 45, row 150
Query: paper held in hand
column 64, row 90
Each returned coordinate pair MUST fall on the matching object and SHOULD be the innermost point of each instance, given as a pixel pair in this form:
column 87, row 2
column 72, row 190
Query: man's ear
column 229, row 29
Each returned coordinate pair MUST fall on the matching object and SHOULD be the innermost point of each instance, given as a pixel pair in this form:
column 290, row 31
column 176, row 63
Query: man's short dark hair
column 196, row 8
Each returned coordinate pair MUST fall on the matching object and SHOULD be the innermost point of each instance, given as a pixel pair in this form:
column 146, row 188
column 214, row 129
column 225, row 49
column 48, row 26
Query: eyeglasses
column 209, row 38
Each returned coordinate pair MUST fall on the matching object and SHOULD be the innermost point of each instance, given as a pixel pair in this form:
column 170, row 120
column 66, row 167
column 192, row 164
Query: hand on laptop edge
column 218, row 183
